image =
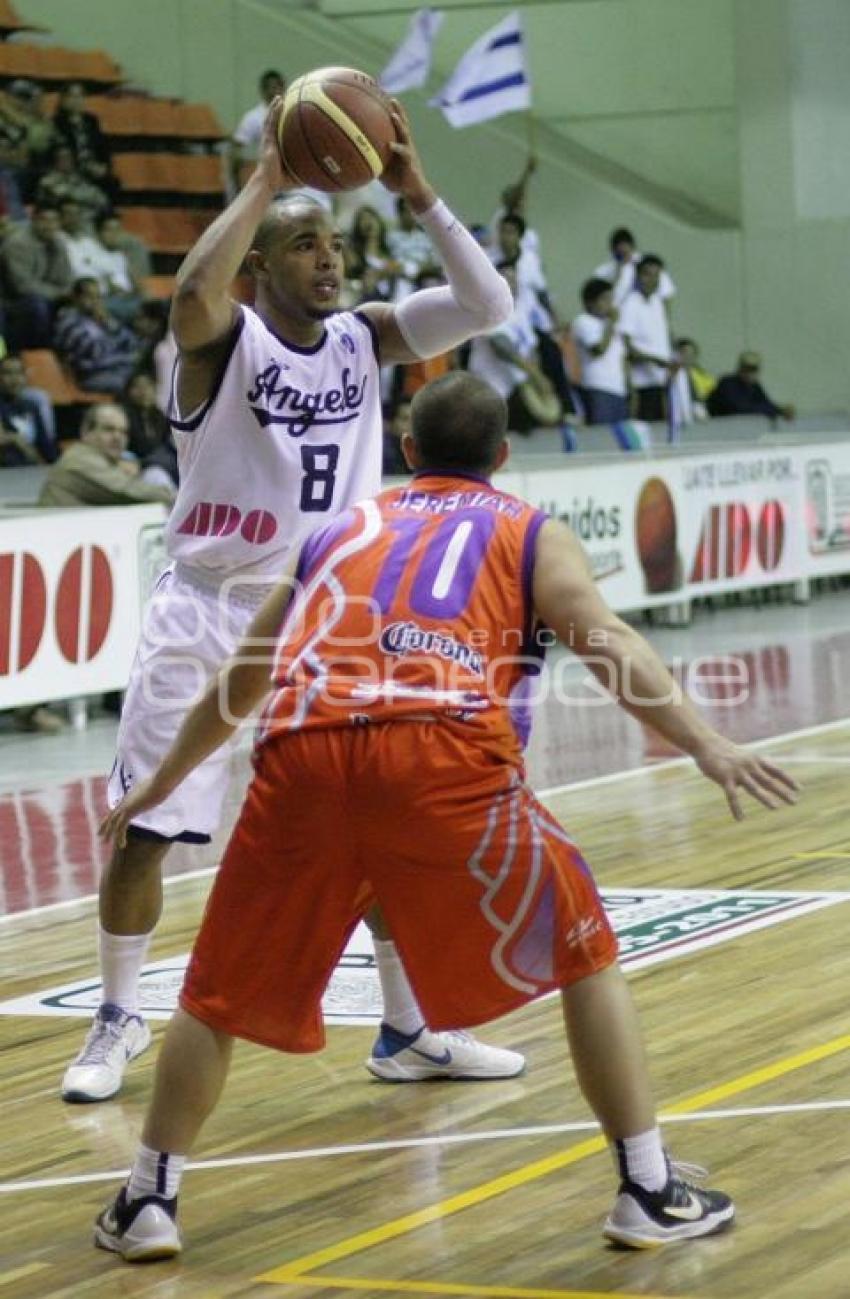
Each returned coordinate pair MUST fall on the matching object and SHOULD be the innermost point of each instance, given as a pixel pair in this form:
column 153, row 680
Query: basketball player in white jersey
column 277, row 417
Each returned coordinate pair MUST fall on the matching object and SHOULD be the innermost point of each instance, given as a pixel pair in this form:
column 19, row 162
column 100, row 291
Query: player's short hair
column 622, row 235
column 650, row 259
column 458, row 422
column 269, row 74
column 282, row 209
column 592, row 290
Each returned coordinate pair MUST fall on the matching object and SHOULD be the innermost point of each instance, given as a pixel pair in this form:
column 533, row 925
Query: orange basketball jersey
column 416, row 603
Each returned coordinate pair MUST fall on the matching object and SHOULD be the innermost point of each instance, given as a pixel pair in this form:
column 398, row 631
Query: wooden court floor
column 494, row 1189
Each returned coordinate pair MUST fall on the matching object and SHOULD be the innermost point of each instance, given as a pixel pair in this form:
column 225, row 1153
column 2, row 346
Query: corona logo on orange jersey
column 725, row 546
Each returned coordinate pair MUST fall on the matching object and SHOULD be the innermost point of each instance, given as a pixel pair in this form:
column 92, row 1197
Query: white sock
column 641, row 1159
column 155, row 1172
column 401, row 1009
column 121, row 959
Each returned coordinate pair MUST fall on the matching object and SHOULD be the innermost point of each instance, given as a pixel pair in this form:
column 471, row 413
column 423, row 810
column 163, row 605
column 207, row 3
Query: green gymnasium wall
column 717, row 129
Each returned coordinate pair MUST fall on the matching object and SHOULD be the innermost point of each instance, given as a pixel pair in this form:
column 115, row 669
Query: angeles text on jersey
column 273, row 400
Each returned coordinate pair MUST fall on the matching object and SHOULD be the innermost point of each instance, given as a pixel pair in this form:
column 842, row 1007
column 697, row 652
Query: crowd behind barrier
column 662, row 529
column 83, row 321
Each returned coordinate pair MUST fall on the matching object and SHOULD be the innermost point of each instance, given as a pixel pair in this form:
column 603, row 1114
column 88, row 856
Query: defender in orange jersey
column 389, row 768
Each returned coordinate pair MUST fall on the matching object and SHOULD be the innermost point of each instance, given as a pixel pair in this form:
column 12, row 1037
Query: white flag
column 490, row 79
column 411, row 63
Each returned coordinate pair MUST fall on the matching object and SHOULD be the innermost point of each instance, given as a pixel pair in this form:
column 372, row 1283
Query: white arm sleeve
column 476, row 299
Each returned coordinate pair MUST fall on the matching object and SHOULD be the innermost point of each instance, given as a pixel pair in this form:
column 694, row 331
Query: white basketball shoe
column 114, row 1039
column 139, row 1230
column 457, row 1055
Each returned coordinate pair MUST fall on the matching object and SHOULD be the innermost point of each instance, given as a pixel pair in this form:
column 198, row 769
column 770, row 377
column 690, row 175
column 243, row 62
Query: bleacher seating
column 54, row 63
column 169, row 173
column 141, row 117
column 45, row 370
column 11, row 24
column 166, row 230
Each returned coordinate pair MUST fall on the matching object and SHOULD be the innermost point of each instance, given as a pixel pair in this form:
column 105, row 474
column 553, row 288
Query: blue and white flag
column 411, row 63
column 490, row 79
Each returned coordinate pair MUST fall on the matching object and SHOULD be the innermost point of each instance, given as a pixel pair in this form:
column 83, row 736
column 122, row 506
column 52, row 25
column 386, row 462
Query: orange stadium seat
column 55, row 63
column 169, row 172
column 139, row 115
column 157, row 286
column 44, row 370
column 167, row 230
column 10, row 23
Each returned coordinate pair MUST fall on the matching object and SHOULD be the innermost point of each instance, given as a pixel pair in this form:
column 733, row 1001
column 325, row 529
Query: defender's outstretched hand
column 734, row 768
column 405, row 174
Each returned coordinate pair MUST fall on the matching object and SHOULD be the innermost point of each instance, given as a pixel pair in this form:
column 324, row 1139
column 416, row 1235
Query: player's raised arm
column 202, row 310
column 231, row 697
column 566, row 598
column 476, row 298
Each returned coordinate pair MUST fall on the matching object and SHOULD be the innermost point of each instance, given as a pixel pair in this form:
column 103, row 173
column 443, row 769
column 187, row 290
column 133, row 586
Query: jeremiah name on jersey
column 288, row 436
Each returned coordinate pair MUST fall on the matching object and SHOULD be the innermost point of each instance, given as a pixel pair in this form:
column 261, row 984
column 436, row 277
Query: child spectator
column 602, row 354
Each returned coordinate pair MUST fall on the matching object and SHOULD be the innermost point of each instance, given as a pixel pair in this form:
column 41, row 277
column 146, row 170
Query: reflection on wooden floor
column 749, row 1044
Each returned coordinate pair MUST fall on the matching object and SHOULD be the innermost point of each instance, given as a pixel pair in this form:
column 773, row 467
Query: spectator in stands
column 80, row 131
column 36, row 277
column 25, row 437
column 513, row 204
column 246, row 138
column 646, row 332
column 368, row 258
column 395, row 427
column 27, row 102
column 100, row 351
column 533, row 298
column 119, row 286
column 701, row 383
column 602, row 352
column 14, row 158
column 509, row 361
column 621, row 270
column 149, row 432
column 741, row 393
column 409, row 245
column 94, row 471
column 65, row 183
column 85, row 253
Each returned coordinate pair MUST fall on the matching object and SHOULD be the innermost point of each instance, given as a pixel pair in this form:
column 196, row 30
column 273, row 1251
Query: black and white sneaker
column 644, row 1219
column 139, row 1230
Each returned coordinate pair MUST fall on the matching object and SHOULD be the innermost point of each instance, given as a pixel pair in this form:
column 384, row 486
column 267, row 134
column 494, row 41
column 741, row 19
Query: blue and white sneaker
column 415, row 1057
column 139, row 1230
column 114, row 1039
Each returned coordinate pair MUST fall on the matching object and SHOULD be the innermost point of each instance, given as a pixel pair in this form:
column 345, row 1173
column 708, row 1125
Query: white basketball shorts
column 189, row 629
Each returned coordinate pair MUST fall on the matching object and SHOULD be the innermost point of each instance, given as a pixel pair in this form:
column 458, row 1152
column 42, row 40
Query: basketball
column 335, row 129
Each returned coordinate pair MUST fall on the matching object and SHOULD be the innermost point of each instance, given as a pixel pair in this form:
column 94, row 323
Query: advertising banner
column 666, row 530
column 70, row 599
column 826, row 477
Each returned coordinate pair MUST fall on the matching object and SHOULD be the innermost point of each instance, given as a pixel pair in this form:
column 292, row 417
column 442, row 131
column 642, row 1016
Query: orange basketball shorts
column 489, row 902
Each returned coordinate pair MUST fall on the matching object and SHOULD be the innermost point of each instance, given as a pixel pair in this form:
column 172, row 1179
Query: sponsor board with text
column 653, row 925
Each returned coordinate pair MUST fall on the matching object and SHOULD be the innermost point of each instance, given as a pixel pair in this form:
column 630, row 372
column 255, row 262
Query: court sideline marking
column 295, row 1271
column 628, row 773
column 420, row 1143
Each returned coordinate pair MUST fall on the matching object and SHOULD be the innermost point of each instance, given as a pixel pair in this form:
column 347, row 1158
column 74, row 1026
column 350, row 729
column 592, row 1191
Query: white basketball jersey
column 289, row 437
